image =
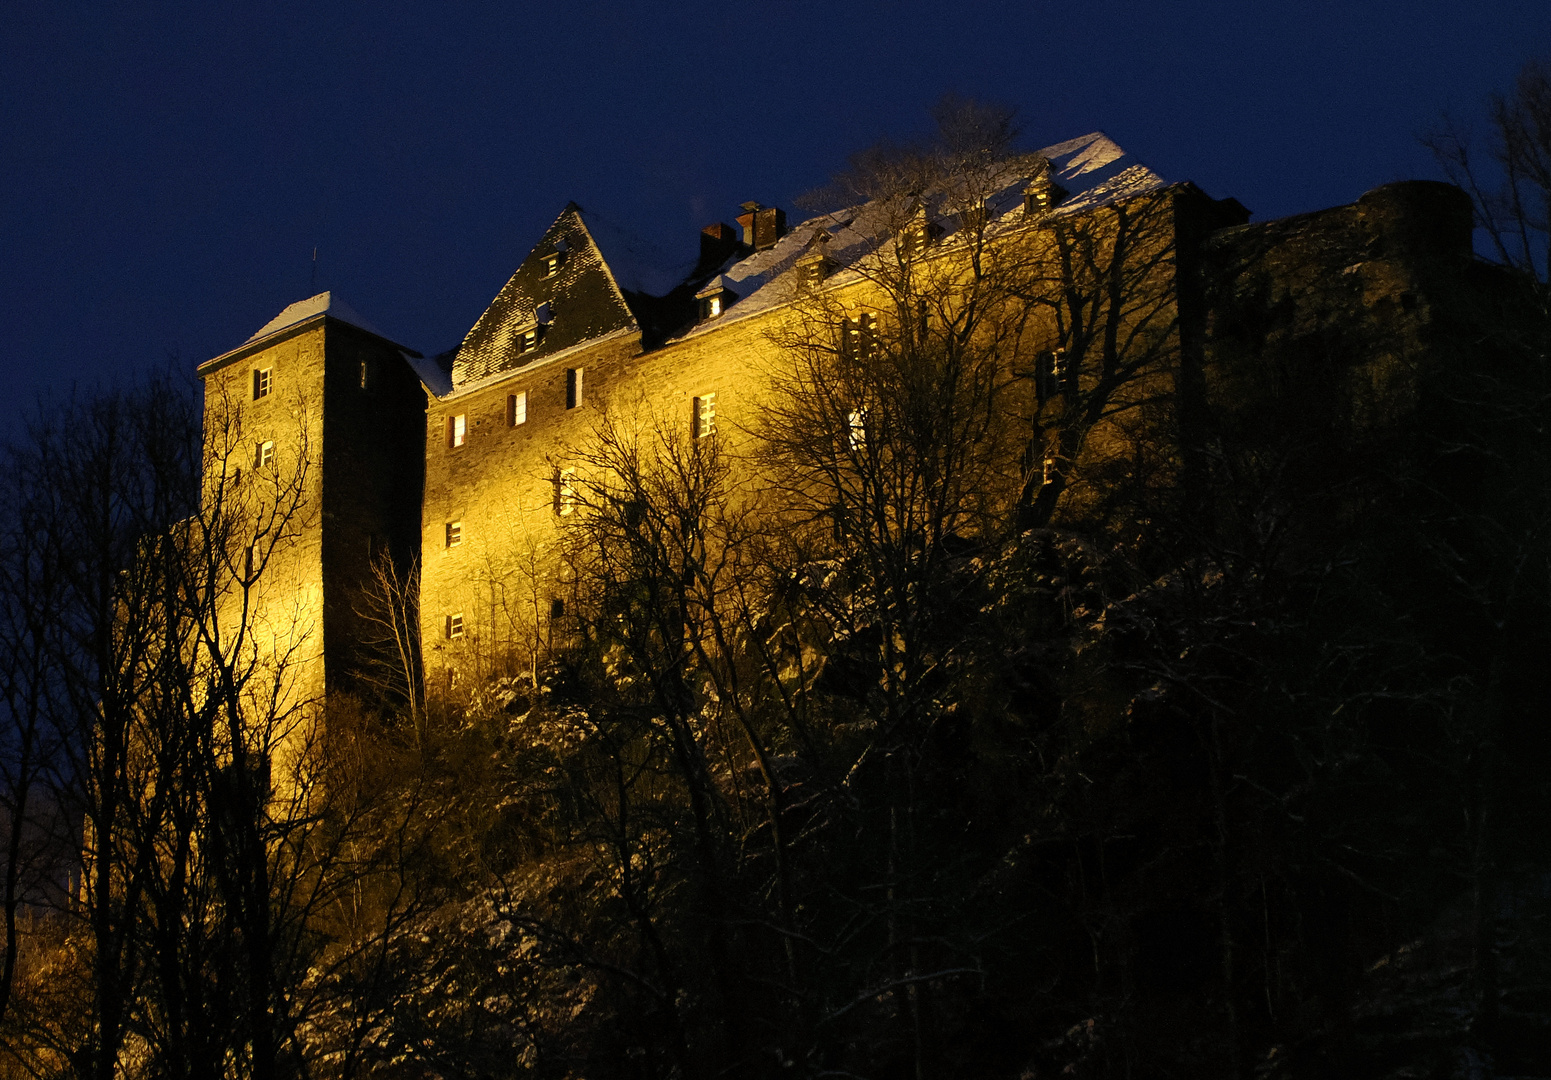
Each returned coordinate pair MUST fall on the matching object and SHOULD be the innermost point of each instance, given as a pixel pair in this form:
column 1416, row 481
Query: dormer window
column 916, row 236
column 553, row 262
column 1042, row 195
column 715, row 298
column 815, row 266
column 528, row 340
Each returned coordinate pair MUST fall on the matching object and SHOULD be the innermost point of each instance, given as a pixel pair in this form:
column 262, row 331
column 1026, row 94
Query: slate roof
column 583, row 301
column 1092, row 169
column 615, row 283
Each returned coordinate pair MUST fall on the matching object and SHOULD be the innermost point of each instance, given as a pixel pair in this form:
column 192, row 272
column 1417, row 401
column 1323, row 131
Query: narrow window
column 856, row 428
column 528, row 340
column 858, row 336
column 264, row 454
column 573, row 387
column 553, row 262
column 517, row 408
column 366, row 374
column 556, row 608
column 455, row 625
column 457, row 430
column 705, row 415
column 263, row 381
column 713, row 307
column 454, row 533
column 565, row 492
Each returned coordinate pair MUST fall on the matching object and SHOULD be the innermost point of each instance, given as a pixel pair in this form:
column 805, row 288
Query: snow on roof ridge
column 1093, row 168
column 637, row 264
column 302, row 310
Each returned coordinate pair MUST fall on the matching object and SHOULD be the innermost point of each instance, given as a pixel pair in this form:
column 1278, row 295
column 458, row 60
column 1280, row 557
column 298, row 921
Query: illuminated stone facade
column 460, row 464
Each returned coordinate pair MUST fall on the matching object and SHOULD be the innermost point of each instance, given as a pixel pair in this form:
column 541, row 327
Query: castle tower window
column 455, row 626
column 517, row 408
column 859, row 336
column 264, row 454
column 856, row 428
column 573, row 388
column 454, row 533
column 263, row 382
column 457, row 430
column 565, row 492
column 705, row 415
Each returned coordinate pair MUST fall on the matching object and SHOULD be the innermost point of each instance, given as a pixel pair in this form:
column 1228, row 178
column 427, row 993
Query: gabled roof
column 582, row 301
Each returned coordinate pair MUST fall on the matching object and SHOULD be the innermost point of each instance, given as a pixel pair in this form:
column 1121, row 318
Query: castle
column 462, row 465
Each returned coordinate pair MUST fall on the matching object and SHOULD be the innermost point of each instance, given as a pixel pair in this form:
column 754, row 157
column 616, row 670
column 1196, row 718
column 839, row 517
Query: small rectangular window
column 457, row 430
column 856, row 428
column 705, row 416
column 454, row 533
column 455, row 625
column 366, row 374
column 517, row 408
column 573, row 387
column 528, row 340
column 553, row 262
column 859, row 335
column 556, row 608
column 565, row 492
column 264, row 454
column 263, row 381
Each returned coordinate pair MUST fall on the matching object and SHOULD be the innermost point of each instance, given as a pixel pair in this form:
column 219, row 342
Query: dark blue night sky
column 168, row 169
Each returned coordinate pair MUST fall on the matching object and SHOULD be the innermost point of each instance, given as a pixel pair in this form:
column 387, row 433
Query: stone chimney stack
column 762, row 225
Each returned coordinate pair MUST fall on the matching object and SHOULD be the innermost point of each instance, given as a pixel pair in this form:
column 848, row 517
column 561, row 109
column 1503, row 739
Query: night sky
column 168, row 169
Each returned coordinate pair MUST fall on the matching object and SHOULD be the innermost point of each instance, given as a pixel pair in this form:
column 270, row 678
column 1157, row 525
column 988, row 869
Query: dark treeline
column 978, row 723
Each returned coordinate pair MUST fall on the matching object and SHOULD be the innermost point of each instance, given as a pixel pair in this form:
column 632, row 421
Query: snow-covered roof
column 436, row 380
column 302, row 310
column 637, row 264
column 1092, row 169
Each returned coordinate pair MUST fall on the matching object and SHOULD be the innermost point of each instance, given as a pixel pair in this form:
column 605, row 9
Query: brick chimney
column 762, row 225
column 717, row 242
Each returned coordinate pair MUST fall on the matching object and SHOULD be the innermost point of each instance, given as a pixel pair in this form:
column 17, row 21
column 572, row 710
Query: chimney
column 762, row 225
column 716, row 243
